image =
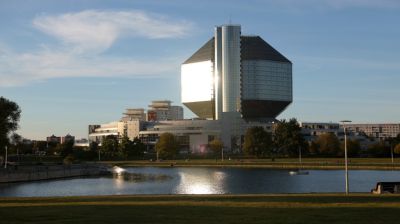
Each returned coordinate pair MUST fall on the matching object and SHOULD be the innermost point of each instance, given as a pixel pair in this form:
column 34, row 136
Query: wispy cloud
column 83, row 36
column 98, row 30
column 20, row 69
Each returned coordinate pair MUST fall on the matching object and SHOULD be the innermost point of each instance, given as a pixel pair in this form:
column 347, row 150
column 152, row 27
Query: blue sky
column 73, row 63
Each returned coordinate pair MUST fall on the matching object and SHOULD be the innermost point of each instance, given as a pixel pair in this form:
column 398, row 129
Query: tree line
column 286, row 139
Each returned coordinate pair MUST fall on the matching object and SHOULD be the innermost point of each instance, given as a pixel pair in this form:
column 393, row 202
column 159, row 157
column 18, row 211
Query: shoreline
column 264, row 165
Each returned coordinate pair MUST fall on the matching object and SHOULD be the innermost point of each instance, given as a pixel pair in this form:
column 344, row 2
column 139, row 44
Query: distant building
column 134, row 114
column 311, row 130
column 98, row 132
column 81, row 142
column 162, row 110
column 377, row 131
column 53, row 139
column 60, row 140
column 67, row 138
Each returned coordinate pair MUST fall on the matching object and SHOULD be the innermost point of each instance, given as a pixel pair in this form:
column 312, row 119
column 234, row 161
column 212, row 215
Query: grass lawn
column 297, row 208
column 278, row 163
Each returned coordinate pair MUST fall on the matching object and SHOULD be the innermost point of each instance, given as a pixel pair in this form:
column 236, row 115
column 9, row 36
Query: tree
column 9, row 117
column 216, row 146
column 138, row 149
column 353, row 148
column 94, row 147
column 65, row 149
column 328, row 144
column 109, row 146
column 397, row 149
column 125, row 146
column 167, row 145
column 378, row 149
column 131, row 149
column 257, row 142
column 288, row 138
column 16, row 143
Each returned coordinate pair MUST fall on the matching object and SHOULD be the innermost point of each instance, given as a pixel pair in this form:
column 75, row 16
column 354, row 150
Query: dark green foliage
column 353, row 148
column 397, row 149
column 216, row 146
column 9, row 117
column 69, row 159
column 65, row 149
column 132, row 149
column 288, row 138
column 167, row 146
column 83, row 154
column 138, row 149
column 379, row 149
column 326, row 144
column 109, row 147
column 257, row 142
column 94, row 147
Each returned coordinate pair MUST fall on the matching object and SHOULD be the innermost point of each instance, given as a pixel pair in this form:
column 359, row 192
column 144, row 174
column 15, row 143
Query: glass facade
column 266, row 80
column 197, row 80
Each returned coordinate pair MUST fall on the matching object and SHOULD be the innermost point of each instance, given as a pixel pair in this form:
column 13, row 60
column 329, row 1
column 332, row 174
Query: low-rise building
column 67, row 138
column 377, row 131
column 53, row 139
column 311, row 130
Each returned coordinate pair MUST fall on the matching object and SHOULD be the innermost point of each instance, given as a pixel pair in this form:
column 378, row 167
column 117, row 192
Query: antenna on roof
column 230, row 19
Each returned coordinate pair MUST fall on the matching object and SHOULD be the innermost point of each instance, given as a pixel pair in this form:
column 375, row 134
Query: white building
column 378, row 131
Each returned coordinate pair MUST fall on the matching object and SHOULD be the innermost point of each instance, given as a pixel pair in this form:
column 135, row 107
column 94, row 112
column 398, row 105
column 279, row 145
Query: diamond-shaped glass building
column 232, row 73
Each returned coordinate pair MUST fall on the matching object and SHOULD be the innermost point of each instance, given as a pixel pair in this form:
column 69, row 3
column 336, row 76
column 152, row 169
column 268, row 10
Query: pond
column 202, row 180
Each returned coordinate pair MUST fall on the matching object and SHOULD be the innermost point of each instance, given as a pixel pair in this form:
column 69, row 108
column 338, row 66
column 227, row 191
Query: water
column 152, row 180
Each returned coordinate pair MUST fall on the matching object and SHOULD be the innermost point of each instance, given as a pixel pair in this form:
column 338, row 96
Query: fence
column 34, row 173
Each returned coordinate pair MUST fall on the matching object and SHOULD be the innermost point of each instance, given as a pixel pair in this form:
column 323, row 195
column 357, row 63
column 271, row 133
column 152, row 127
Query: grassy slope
column 203, row 209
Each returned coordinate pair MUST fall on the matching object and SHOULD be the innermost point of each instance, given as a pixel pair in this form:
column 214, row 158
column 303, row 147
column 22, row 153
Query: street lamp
column 345, row 155
column 5, row 164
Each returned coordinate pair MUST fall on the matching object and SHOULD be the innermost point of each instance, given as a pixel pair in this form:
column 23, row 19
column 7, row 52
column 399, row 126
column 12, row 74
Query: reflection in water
column 117, row 170
column 201, row 182
column 118, row 181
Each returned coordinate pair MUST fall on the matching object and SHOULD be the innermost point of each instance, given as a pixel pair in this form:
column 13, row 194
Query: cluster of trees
column 112, row 148
column 167, row 146
column 286, row 139
column 9, row 116
column 328, row 144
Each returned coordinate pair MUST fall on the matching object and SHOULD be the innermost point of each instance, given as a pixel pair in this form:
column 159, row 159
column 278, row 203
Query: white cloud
column 98, row 30
column 84, row 35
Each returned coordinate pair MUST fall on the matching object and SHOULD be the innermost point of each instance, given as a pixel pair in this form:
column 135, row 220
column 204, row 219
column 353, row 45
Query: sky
column 68, row 64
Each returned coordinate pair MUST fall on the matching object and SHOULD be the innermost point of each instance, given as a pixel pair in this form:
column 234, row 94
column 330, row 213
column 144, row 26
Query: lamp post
column 5, row 164
column 345, row 155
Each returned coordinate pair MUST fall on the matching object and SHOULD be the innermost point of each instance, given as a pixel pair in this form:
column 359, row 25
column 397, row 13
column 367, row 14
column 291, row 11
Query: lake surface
column 201, row 180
